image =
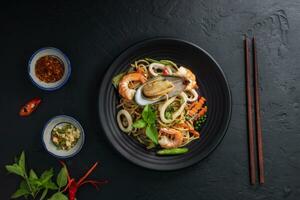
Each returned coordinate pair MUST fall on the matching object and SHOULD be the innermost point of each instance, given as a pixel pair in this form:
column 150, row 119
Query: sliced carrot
column 197, row 106
column 201, row 113
column 192, row 105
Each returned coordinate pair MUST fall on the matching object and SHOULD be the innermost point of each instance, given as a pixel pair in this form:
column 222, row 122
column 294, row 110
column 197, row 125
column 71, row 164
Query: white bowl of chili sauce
column 49, row 68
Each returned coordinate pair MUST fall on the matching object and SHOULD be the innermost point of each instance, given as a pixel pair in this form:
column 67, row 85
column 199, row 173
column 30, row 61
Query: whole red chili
column 29, row 107
column 73, row 186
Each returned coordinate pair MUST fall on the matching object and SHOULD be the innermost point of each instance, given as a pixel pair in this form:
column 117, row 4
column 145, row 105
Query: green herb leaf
column 50, row 185
column 22, row 161
column 62, row 177
column 46, row 176
column 15, row 169
column 20, row 192
column 116, row 80
column 59, row 196
column 34, row 181
column 139, row 124
column 148, row 115
column 23, row 185
column 32, row 175
column 31, row 183
column 44, row 194
column 151, row 133
column 35, row 184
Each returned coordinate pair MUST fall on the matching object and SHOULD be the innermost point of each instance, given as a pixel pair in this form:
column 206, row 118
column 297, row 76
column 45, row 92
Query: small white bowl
column 46, row 137
column 45, row 52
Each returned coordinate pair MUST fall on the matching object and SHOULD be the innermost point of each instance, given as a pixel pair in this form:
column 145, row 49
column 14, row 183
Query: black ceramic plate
column 213, row 86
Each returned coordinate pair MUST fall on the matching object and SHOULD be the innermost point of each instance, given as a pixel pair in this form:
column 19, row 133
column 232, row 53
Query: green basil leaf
column 51, row 185
column 152, row 133
column 152, row 118
column 44, row 194
column 46, row 176
column 22, row 161
column 20, row 192
column 139, row 124
column 62, row 177
column 35, row 183
column 148, row 115
column 32, row 175
column 23, row 185
column 15, row 169
column 58, row 196
column 145, row 113
column 116, row 79
column 47, row 173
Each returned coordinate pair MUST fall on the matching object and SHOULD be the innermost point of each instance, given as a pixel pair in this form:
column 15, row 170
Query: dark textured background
column 92, row 34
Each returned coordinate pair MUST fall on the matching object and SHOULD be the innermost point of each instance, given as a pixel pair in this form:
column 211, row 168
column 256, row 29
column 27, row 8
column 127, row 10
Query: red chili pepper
column 165, row 71
column 73, row 186
column 29, row 107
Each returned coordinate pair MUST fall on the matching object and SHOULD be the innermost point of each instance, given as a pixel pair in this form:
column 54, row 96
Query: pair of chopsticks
column 250, row 114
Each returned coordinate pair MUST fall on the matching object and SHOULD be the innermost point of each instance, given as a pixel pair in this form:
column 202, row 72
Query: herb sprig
column 148, row 121
column 33, row 185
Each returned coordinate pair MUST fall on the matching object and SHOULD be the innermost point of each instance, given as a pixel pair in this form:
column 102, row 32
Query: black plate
column 213, row 85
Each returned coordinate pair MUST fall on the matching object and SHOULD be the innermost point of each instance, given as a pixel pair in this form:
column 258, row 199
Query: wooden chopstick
column 257, row 117
column 249, row 114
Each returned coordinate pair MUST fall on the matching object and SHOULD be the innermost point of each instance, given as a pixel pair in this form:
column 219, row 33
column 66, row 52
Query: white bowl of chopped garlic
column 63, row 136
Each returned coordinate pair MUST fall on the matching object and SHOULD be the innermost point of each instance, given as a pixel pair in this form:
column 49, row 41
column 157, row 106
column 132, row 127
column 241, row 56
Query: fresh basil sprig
column 148, row 121
column 32, row 184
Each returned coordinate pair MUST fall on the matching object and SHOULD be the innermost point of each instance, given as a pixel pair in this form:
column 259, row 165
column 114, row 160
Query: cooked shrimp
column 124, row 89
column 170, row 138
column 189, row 75
column 143, row 70
column 189, row 128
column 195, row 133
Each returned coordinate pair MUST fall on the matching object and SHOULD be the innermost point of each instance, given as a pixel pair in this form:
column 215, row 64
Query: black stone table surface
column 94, row 33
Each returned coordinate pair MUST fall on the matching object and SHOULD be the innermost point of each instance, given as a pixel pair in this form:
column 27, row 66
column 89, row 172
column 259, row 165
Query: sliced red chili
column 29, row 107
column 165, row 71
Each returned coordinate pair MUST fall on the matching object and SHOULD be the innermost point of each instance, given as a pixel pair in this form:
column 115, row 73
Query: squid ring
column 160, row 66
column 177, row 113
column 194, row 95
column 128, row 117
